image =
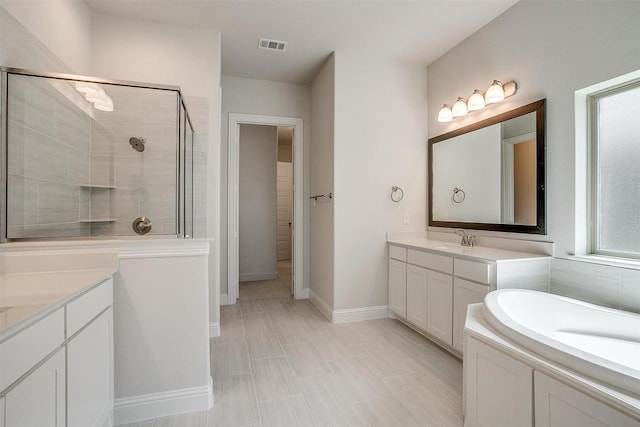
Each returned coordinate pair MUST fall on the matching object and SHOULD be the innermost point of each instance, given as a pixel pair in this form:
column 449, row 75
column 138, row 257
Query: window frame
column 593, row 200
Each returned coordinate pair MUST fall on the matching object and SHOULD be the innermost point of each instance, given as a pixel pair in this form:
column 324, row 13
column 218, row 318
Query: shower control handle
column 142, row 225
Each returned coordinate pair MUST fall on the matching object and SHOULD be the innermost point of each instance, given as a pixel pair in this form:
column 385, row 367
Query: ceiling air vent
column 272, row 45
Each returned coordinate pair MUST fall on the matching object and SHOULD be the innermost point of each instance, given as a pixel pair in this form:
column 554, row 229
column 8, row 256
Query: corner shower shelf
column 85, row 220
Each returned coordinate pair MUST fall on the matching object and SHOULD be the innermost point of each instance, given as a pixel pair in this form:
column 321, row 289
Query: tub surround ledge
column 479, row 334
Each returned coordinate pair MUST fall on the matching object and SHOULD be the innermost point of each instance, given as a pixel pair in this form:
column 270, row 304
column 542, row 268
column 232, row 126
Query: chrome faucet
column 467, row 240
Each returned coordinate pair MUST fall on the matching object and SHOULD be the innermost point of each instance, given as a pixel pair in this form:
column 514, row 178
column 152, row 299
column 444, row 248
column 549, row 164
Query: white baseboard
column 360, row 314
column 251, row 277
column 303, row 294
column 214, row 329
column 224, row 299
column 348, row 315
column 148, row 406
column 322, row 306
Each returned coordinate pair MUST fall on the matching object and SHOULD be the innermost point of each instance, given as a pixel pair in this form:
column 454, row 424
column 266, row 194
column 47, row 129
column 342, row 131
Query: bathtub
column 595, row 341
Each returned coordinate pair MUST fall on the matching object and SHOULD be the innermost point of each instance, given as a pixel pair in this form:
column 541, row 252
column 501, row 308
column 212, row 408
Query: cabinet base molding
column 156, row 405
column 348, row 315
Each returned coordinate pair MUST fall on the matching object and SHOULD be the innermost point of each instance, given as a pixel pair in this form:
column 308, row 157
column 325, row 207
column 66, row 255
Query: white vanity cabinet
column 417, row 296
column 57, row 369
column 398, row 281
column 39, row 399
column 439, row 305
column 90, row 358
column 431, row 288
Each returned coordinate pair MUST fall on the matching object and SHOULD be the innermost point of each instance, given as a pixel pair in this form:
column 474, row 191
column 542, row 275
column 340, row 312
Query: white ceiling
column 417, row 31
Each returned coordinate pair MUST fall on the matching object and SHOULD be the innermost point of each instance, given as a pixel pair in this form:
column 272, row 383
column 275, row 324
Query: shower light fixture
column 104, row 104
column 86, row 87
column 477, row 101
column 96, row 95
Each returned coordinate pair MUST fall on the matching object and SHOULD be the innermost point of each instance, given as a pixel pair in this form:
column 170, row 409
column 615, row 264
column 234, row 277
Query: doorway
column 265, row 212
column 233, row 222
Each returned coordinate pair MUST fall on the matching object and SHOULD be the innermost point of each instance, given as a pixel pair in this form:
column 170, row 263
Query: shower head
column 137, row 143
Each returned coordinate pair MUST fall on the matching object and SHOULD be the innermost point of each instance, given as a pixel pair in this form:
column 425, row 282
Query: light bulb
column 459, row 108
column 476, row 101
column 445, row 113
column 495, row 93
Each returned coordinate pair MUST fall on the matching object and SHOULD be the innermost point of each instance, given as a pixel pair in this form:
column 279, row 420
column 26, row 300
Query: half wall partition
column 84, row 157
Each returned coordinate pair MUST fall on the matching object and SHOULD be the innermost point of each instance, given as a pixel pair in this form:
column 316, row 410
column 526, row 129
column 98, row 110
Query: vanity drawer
column 28, row 347
column 397, row 252
column 471, row 270
column 86, row 307
column 431, row 261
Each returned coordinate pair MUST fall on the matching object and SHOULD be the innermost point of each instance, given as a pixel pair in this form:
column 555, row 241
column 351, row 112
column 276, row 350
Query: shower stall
column 84, row 157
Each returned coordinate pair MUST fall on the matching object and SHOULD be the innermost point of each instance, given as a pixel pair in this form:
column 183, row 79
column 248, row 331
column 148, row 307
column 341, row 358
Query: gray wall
column 552, row 49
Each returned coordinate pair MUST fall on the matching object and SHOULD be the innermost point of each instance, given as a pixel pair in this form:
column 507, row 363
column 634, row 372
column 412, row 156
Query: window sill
column 633, row 264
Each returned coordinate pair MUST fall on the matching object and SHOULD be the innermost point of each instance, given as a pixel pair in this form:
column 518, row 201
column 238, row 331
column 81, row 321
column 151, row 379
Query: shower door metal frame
column 4, row 163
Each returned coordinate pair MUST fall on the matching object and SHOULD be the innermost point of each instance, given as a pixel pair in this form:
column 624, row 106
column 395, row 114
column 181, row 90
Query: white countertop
column 452, row 249
column 33, row 285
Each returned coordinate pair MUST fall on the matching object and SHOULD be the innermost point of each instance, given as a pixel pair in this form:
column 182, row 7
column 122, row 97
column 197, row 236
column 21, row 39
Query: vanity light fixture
column 459, row 108
column 476, row 101
column 497, row 92
column 445, row 114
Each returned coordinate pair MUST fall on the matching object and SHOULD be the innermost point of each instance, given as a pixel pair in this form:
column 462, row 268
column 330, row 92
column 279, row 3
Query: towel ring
column 394, row 189
column 458, row 195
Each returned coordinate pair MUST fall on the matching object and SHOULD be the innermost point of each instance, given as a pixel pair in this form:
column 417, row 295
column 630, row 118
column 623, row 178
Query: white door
column 283, row 210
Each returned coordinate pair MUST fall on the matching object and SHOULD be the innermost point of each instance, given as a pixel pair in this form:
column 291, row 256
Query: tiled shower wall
column 50, row 160
column 126, row 183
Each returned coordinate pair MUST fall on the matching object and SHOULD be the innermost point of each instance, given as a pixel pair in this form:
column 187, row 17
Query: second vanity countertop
column 455, row 250
column 27, row 296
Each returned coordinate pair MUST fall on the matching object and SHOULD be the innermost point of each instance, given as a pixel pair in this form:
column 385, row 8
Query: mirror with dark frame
column 491, row 175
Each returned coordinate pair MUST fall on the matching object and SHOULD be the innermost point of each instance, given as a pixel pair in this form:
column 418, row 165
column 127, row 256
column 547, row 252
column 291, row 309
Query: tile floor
column 278, row 362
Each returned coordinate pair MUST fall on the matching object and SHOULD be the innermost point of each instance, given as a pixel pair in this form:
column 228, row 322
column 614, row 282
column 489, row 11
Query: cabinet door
column 398, row 287
column 498, row 388
column 464, row 293
column 90, row 373
column 558, row 405
column 39, row 400
column 417, row 296
column 439, row 305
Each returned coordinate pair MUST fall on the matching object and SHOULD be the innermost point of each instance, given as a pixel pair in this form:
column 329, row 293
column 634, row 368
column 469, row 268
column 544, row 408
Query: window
column 614, row 116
